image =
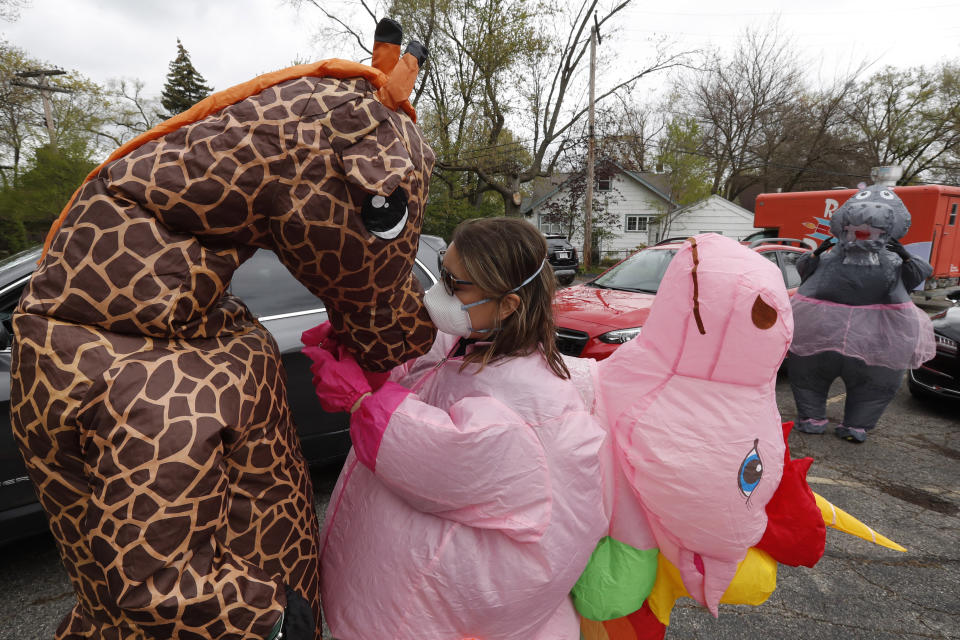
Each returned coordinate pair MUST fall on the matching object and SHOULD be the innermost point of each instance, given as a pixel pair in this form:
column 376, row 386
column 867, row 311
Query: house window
column 549, row 228
column 637, row 223
column 953, row 215
column 603, row 184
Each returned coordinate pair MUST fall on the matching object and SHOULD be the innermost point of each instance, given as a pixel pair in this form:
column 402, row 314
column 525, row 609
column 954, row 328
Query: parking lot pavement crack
column 942, row 500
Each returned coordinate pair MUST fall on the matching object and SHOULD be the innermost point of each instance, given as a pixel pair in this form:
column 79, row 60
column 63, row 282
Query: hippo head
column 869, row 219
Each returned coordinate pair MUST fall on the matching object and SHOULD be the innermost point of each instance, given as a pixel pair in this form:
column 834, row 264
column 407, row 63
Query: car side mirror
column 5, row 338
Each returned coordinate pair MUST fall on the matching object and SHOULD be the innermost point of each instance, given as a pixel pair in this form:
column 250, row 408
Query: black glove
column 894, row 245
column 826, row 244
column 298, row 622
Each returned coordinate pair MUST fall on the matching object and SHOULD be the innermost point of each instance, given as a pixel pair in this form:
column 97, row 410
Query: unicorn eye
column 751, row 470
column 862, row 195
column 886, row 195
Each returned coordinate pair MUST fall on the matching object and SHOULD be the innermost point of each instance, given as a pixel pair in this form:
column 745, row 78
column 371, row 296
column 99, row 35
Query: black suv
column 563, row 258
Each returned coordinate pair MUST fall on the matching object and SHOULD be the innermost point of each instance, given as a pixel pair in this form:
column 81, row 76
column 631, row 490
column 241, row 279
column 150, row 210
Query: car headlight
column 619, row 336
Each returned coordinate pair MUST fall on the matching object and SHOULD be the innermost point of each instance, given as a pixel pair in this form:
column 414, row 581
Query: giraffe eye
column 386, row 217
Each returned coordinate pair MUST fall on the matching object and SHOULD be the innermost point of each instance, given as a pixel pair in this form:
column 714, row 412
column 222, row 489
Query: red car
column 596, row 317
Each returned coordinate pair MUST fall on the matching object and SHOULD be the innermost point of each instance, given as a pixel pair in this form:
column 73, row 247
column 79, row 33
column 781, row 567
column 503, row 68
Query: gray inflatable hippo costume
column 853, row 315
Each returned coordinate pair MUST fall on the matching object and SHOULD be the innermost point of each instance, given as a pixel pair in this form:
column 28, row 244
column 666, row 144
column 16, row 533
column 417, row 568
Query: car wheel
column 565, row 280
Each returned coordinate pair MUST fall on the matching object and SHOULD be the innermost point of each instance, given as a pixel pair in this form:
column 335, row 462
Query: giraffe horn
column 839, row 519
column 386, row 45
column 400, row 82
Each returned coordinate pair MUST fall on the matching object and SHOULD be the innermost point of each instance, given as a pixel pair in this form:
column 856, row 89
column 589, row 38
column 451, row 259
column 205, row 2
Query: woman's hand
column 322, row 336
column 340, row 383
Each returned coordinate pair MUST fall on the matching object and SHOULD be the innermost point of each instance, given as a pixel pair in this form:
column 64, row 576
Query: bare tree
column 10, row 9
column 742, row 105
column 911, row 118
column 627, row 132
column 502, row 97
column 127, row 112
column 566, row 207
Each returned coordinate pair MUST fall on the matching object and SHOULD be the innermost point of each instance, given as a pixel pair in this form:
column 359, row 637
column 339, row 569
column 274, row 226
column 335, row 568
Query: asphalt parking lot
column 904, row 482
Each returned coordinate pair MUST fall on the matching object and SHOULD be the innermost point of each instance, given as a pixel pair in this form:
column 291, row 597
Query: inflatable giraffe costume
column 149, row 403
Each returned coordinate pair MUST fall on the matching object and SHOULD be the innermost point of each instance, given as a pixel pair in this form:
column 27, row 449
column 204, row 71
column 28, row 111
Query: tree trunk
column 511, row 209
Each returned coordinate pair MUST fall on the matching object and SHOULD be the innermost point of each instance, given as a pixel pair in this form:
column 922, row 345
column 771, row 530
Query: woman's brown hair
column 497, row 255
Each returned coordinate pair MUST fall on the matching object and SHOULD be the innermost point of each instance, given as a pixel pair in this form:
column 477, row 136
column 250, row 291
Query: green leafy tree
column 444, row 212
column 689, row 171
column 34, row 202
column 185, row 86
column 80, row 113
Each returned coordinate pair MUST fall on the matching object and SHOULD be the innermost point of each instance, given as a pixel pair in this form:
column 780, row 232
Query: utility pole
column 45, row 89
column 588, row 197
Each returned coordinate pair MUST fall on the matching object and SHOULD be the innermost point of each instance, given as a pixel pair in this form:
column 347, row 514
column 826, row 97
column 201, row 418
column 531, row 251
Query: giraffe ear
column 378, row 162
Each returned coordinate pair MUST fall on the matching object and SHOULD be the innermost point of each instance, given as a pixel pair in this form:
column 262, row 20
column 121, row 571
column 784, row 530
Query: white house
column 713, row 214
column 639, row 201
column 635, row 199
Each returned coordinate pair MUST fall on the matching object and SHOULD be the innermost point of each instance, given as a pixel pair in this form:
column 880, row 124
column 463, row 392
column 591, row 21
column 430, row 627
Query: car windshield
column 641, row 272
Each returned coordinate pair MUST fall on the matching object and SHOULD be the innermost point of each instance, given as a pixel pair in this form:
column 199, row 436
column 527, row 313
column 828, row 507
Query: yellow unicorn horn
column 840, row 519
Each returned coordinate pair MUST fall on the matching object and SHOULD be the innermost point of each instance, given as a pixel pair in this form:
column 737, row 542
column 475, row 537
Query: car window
column 791, row 276
column 9, row 299
column 642, row 271
column 268, row 289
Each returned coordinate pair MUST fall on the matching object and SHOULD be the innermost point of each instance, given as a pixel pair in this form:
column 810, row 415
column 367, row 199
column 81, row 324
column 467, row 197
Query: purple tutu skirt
column 897, row 336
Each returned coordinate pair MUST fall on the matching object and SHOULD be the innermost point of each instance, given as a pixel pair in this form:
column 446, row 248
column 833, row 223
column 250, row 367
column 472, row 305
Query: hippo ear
column 901, row 222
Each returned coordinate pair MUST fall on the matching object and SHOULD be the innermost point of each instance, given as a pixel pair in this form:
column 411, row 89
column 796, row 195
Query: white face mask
column 449, row 314
column 452, row 316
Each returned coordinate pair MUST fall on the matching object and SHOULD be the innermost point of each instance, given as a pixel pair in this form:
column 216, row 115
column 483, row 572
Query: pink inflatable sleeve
column 369, row 422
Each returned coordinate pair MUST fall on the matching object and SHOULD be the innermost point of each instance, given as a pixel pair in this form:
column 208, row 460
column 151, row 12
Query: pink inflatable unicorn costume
column 702, row 495
column 709, row 354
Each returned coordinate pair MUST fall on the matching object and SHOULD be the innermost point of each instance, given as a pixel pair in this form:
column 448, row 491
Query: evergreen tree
column 185, row 86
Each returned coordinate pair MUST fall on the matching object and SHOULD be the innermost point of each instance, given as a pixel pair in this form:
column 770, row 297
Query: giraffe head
column 321, row 163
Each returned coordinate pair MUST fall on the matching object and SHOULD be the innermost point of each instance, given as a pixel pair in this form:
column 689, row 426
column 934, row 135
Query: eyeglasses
column 449, row 282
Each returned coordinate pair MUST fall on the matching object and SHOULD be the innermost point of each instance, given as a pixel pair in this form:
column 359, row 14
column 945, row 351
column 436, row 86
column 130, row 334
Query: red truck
column 934, row 233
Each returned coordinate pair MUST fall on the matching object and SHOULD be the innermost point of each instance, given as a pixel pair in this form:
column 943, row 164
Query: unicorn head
column 704, row 451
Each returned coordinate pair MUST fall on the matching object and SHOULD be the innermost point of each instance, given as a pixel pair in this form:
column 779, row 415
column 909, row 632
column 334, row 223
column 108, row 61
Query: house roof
column 714, row 200
column 652, row 181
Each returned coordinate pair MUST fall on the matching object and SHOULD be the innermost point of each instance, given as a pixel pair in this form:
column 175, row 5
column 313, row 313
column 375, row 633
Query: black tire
column 565, row 280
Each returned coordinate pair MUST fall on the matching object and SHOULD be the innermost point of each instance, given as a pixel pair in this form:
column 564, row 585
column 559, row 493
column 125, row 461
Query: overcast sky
column 231, row 41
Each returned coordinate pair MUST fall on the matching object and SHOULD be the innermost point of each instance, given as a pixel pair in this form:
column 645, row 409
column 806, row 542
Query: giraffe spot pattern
column 149, row 403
